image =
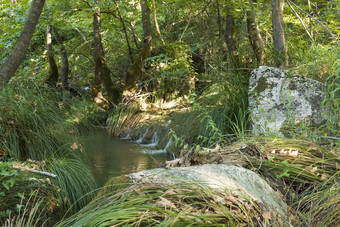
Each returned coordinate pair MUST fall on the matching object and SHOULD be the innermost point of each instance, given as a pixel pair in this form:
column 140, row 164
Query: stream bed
column 110, row 157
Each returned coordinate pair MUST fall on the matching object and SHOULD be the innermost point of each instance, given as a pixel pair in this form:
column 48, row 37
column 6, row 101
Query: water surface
column 109, row 157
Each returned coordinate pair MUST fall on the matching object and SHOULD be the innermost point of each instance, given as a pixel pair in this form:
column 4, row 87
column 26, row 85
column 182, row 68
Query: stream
column 110, row 157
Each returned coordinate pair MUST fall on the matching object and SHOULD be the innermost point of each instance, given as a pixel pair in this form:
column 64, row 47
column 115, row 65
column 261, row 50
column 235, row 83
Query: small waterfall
column 154, row 141
column 142, row 137
column 168, row 145
column 160, row 151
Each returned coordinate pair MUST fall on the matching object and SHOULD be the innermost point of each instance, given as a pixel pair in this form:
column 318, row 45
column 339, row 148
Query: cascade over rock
column 275, row 98
column 232, row 178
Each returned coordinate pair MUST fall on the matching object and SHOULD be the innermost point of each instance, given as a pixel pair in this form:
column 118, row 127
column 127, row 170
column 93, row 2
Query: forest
column 175, row 69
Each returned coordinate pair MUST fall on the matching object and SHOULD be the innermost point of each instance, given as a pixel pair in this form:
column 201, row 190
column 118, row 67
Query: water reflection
column 110, row 157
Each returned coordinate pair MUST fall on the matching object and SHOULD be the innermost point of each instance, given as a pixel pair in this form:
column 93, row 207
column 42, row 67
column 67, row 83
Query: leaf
column 285, row 161
column 165, row 203
column 170, row 192
column 8, row 184
column 5, row 185
column 324, row 176
column 267, row 215
column 293, row 153
column 284, row 174
column 74, row 146
column 219, row 199
column 279, row 194
column 21, row 195
column 311, row 169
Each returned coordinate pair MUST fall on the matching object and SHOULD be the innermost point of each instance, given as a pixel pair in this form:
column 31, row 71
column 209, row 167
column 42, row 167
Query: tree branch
column 329, row 32
column 35, row 171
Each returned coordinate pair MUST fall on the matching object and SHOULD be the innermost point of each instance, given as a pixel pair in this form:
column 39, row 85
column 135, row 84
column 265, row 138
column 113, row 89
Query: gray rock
column 219, row 176
column 276, row 98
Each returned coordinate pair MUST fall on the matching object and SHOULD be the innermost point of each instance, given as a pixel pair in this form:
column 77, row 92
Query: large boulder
column 231, row 178
column 279, row 101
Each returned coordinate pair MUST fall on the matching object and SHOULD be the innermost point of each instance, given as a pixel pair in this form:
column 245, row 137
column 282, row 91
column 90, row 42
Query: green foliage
column 29, row 123
column 24, row 197
column 179, row 142
column 322, row 207
column 11, row 23
column 33, row 123
column 332, row 103
column 171, row 72
column 118, row 119
column 8, row 176
column 29, row 214
column 36, row 124
column 306, row 174
column 74, row 184
column 224, row 108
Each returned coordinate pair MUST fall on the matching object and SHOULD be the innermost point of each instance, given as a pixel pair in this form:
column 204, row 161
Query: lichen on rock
column 276, row 98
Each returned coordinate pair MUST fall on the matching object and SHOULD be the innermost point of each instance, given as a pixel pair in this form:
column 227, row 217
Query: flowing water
column 109, row 157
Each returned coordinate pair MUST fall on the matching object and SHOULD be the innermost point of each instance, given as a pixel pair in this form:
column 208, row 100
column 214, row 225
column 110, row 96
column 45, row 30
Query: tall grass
column 30, row 213
column 32, row 124
column 306, row 174
column 225, row 107
column 159, row 205
column 37, row 127
column 73, row 183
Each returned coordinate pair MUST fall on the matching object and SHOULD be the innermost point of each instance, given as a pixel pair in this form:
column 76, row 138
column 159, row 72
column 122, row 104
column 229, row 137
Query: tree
column 65, row 66
column 256, row 43
column 101, row 71
column 280, row 47
column 156, row 21
column 124, row 30
column 53, row 73
column 12, row 63
column 229, row 35
column 135, row 71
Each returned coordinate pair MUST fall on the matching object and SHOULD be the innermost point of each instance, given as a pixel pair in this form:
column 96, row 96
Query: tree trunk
column 125, row 31
column 219, row 20
column 146, row 23
column 134, row 35
column 229, row 36
column 258, row 35
column 136, row 70
column 254, row 42
column 65, row 66
column 12, row 63
column 53, row 73
column 280, row 48
column 156, row 22
column 102, row 72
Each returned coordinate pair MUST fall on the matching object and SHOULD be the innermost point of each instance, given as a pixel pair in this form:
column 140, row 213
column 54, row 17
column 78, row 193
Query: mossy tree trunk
column 102, row 72
column 255, row 39
column 65, row 66
column 229, row 36
column 53, row 72
column 12, row 63
column 136, row 71
column 280, row 47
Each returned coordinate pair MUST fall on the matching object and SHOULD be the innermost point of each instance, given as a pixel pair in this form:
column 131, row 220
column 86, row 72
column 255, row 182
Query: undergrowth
column 42, row 176
column 159, row 205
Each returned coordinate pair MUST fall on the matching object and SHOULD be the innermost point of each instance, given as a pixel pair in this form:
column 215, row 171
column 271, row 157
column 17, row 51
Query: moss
column 262, row 85
column 134, row 72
